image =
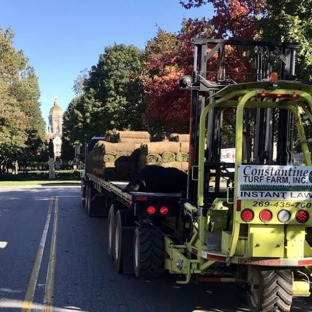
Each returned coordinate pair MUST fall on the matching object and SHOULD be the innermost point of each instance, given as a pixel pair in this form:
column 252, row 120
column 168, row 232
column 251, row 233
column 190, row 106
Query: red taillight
column 265, row 215
column 151, row 210
column 247, row 215
column 302, row 216
column 163, row 210
column 277, row 95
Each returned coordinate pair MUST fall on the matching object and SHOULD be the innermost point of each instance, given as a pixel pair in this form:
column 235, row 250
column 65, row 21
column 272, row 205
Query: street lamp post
column 77, row 155
column 51, row 160
column 77, row 151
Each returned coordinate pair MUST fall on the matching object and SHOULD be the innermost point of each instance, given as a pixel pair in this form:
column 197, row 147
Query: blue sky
column 62, row 37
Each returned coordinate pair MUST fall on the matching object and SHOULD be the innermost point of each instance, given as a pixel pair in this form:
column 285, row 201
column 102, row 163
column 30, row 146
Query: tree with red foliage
column 168, row 56
column 233, row 18
column 162, row 74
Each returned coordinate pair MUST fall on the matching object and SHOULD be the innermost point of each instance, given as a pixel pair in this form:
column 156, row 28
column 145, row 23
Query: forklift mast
column 209, row 79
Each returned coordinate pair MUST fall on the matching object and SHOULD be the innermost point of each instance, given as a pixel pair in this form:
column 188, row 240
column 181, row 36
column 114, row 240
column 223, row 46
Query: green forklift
column 248, row 217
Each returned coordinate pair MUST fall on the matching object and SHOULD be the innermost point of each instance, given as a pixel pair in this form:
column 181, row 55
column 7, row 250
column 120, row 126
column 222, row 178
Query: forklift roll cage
column 204, row 92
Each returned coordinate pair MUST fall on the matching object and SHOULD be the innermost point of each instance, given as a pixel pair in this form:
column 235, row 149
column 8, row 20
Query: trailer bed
column 116, row 187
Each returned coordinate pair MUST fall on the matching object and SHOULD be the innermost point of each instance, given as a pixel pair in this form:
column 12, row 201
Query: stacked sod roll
column 129, row 137
column 127, row 152
column 168, row 154
column 116, row 161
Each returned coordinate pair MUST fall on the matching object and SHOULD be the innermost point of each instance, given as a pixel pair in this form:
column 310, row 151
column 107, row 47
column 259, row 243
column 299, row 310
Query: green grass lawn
column 40, row 178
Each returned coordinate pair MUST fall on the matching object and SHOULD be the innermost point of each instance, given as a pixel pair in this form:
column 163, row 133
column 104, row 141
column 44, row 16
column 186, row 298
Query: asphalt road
column 53, row 257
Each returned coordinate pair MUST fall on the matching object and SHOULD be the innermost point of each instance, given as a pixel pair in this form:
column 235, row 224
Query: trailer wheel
column 111, row 228
column 90, row 206
column 87, row 191
column 123, row 248
column 148, row 252
column 83, row 194
column 271, row 290
column 90, row 192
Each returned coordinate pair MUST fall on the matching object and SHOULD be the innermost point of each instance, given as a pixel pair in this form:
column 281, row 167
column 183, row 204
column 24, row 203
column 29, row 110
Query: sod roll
column 184, row 166
column 134, row 140
column 162, row 147
column 109, row 157
column 133, row 134
column 184, row 137
column 168, row 157
column 119, row 147
column 109, row 164
column 184, row 147
column 182, row 157
column 153, row 158
column 176, row 137
column 122, row 157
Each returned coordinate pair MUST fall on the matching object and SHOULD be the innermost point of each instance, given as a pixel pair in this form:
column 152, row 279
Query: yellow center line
column 29, row 297
column 49, row 288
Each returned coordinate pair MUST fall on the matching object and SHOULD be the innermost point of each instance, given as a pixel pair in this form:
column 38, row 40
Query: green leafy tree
column 290, row 21
column 28, row 91
column 21, row 123
column 77, row 125
column 114, row 90
column 13, row 122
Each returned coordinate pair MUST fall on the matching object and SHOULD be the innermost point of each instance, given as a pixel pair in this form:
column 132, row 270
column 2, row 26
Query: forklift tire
column 123, row 248
column 271, row 290
column 111, row 227
column 148, row 252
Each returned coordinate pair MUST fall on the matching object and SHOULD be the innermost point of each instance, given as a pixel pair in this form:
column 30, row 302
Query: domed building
column 55, row 126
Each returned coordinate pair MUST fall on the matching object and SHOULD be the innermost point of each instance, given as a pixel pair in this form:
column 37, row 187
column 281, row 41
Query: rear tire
column 91, row 193
column 271, row 290
column 111, row 228
column 83, row 194
column 87, row 196
column 123, row 221
column 148, row 252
